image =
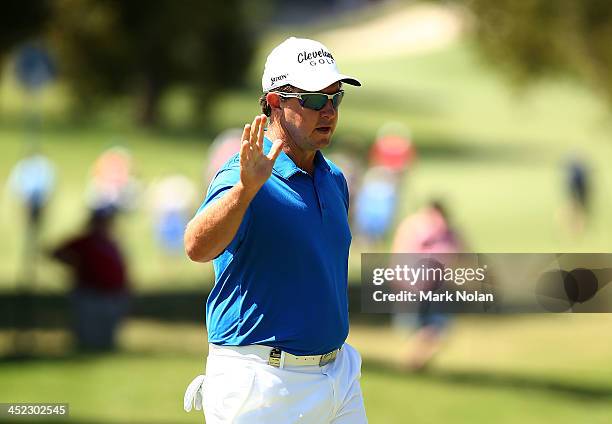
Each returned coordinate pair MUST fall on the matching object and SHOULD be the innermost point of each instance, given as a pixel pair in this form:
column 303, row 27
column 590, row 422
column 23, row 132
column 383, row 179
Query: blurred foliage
column 109, row 48
column 532, row 38
column 20, row 20
column 113, row 47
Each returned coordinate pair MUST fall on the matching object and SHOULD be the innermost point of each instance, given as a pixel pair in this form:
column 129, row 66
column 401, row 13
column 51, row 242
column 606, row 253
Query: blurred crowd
column 379, row 183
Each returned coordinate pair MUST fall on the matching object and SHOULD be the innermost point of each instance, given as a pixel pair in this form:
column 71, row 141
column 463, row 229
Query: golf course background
column 494, row 153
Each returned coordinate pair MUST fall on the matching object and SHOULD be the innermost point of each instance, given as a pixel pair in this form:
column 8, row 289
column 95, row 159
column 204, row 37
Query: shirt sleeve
column 225, row 179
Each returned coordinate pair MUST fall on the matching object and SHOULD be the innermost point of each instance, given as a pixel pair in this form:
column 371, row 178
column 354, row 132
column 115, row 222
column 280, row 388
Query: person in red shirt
column 100, row 294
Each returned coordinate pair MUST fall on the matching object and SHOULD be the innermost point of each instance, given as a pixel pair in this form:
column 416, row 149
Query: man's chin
column 322, row 139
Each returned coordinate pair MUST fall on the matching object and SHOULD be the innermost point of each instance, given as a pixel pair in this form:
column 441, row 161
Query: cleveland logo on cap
column 303, row 63
column 302, row 56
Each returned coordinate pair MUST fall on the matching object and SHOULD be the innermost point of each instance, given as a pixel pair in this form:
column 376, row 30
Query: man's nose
column 328, row 110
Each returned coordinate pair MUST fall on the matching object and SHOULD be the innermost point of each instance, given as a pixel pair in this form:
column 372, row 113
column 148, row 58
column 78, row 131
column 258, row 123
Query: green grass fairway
column 522, row 369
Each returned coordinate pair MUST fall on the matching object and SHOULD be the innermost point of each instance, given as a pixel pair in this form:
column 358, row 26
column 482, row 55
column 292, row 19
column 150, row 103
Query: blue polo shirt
column 282, row 280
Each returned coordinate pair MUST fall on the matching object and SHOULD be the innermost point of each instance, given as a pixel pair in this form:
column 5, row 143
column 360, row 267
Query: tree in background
column 20, row 20
column 533, row 38
column 114, row 47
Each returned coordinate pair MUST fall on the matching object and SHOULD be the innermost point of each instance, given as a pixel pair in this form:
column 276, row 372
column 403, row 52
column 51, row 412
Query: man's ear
column 273, row 99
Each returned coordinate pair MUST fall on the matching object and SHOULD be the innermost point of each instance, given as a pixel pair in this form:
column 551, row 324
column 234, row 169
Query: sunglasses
column 315, row 101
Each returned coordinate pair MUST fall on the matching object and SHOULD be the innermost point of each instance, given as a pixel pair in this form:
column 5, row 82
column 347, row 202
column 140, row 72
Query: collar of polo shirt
column 286, row 168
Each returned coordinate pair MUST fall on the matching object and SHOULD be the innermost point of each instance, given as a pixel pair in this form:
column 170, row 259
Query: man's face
column 310, row 129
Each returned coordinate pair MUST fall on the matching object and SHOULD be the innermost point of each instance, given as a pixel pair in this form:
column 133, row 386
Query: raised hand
column 255, row 166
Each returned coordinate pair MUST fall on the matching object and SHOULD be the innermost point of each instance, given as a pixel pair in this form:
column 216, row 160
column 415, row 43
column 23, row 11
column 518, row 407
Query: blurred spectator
column 427, row 231
column 578, row 188
column 112, row 182
column 223, row 147
column 375, row 204
column 172, row 200
column 393, row 148
column 390, row 158
column 393, row 152
column 100, row 295
column 32, row 179
column 349, row 159
column 34, row 66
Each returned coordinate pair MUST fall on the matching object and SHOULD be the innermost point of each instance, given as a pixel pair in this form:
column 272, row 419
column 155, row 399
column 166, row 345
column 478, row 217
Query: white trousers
column 240, row 388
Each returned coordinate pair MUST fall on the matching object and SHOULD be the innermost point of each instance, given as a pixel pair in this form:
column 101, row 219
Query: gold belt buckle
column 275, row 357
column 328, row 357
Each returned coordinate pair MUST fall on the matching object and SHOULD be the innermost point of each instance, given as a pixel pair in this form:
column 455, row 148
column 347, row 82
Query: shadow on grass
column 461, row 150
column 484, row 379
column 29, row 310
column 412, row 102
column 73, row 356
column 429, row 146
column 432, row 147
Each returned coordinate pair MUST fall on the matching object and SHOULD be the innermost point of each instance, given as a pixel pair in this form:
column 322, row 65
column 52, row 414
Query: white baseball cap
column 302, row 63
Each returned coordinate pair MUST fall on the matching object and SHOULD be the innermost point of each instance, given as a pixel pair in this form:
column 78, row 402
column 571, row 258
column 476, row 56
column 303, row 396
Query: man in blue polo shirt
column 274, row 222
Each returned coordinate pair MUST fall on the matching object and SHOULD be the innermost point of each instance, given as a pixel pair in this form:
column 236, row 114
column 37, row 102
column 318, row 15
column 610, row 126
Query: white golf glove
column 193, row 394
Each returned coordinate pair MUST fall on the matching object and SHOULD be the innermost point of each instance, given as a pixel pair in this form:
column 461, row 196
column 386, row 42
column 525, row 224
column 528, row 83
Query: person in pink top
column 427, row 231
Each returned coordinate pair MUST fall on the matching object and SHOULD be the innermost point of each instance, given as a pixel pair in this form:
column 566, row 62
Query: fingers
column 275, row 150
column 255, row 131
column 245, row 155
column 246, row 132
column 260, row 134
column 252, row 140
column 244, row 145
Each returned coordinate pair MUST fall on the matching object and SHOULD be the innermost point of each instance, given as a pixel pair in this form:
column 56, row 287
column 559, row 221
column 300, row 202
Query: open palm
column 255, row 166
